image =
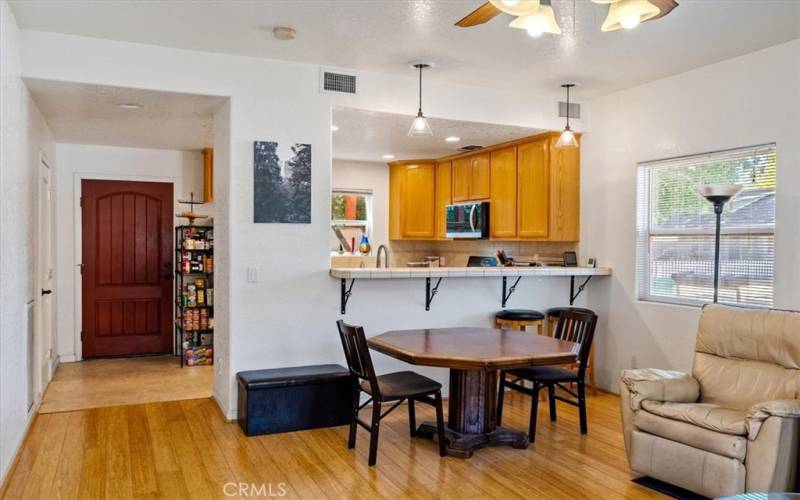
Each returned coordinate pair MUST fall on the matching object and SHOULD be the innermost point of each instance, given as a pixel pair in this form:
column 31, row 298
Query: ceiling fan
column 537, row 15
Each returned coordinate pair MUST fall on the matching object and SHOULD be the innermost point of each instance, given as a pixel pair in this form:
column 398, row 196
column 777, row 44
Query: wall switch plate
column 252, row 275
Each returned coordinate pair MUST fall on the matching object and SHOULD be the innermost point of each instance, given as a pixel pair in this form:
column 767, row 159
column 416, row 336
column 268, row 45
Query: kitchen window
column 351, row 216
column 675, row 228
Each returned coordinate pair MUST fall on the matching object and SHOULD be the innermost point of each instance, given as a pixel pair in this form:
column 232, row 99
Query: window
column 351, row 216
column 675, row 228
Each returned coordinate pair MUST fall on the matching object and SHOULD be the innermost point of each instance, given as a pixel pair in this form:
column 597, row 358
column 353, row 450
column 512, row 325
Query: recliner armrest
column 759, row 412
column 660, row 385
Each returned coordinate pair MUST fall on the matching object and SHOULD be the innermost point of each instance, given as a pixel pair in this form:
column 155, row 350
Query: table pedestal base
column 462, row 445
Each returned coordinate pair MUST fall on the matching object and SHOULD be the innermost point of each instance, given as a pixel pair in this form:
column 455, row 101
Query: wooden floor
column 185, row 449
column 110, row 382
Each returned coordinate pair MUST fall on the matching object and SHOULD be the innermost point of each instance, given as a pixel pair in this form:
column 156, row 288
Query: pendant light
column 567, row 139
column 516, row 7
column 541, row 21
column 420, row 126
column 627, row 13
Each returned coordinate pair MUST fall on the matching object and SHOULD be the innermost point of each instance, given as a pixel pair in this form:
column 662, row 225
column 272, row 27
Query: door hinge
column 81, row 201
column 81, row 335
column 81, row 268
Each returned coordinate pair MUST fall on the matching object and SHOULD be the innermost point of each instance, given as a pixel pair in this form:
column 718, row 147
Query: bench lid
column 296, row 375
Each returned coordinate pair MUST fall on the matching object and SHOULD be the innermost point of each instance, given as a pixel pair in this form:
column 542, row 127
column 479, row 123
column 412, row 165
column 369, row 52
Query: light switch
column 252, row 275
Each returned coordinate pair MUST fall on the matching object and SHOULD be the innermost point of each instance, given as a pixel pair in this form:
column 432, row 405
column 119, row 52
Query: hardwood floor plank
column 185, row 449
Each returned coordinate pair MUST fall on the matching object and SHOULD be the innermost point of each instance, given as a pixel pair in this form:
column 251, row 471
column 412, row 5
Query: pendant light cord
column 419, row 111
column 567, row 106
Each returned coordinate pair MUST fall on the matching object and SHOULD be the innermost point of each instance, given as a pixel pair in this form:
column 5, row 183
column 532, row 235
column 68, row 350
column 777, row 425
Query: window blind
column 675, row 228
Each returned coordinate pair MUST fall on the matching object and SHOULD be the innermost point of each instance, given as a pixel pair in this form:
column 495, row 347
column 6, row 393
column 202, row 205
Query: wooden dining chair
column 390, row 388
column 575, row 326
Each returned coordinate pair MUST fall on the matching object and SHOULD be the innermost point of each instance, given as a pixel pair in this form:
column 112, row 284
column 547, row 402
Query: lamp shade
column 718, row 193
column 541, row 21
column 628, row 14
column 567, row 139
column 420, row 127
column 516, row 7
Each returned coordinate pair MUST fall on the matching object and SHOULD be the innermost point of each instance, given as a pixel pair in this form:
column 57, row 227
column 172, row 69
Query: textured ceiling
column 90, row 114
column 382, row 36
column 368, row 135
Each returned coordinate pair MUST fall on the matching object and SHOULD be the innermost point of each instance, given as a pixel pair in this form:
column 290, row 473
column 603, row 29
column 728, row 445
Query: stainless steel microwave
column 468, row 220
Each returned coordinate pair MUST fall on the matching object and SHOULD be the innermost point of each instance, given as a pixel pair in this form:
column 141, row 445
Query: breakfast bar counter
column 439, row 273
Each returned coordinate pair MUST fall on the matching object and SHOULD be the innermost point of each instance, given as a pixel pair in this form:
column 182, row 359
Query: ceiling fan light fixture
column 628, row 14
column 516, row 7
column 541, row 21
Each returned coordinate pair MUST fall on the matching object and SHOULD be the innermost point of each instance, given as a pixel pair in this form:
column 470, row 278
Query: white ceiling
column 90, row 114
column 368, row 135
column 382, row 36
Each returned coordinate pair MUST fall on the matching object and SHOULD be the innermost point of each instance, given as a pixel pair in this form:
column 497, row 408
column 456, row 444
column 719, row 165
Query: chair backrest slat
column 356, row 352
column 578, row 327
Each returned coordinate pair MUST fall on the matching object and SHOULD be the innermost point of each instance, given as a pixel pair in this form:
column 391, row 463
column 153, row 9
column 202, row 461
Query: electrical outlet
column 252, row 275
column 634, row 362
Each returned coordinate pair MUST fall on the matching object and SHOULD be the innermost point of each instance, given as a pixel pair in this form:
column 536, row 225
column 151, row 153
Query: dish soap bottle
column 364, row 245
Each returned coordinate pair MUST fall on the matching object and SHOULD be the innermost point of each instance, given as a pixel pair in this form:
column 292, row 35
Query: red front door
column 127, row 267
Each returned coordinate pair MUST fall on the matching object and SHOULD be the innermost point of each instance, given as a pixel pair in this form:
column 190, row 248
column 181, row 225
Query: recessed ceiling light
column 388, row 157
column 283, row 33
column 452, row 138
column 130, row 105
column 334, row 128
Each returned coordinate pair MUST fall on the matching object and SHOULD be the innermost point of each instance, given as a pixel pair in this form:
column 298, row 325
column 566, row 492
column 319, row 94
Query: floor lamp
column 718, row 194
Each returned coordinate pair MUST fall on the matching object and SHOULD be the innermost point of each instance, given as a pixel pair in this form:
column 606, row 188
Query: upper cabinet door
column 533, row 180
column 417, row 219
column 480, row 184
column 443, row 197
column 565, row 187
column 462, row 176
column 503, row 210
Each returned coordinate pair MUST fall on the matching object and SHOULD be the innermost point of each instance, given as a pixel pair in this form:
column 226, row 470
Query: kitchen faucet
column 385, row 257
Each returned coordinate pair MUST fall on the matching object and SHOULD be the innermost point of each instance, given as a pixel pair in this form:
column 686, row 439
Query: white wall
column 367, row 175
column 288, row 317
column 81, row 161
column 749, row 100
column 23, row 137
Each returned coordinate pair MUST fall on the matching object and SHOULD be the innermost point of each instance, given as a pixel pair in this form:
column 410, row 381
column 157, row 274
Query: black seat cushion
column 295, row 375
column 545, row 374
column 556, row 311
column 401, row 385
column 519, row 315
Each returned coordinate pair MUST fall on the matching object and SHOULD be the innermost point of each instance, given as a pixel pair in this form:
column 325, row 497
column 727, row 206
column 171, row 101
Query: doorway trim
column 78, row 239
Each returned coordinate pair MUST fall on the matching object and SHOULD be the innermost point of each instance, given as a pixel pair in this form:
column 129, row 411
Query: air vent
column 334, row 81
column 471, row 147
column 574, row 110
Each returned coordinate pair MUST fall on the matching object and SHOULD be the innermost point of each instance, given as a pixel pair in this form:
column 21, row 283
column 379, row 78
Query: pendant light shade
column 420, row 126
column 567, row 139
column 541, row 21
column 628, row 14
column 516, row 7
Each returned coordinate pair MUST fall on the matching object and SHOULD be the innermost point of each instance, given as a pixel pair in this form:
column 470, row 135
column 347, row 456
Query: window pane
column 675, row 228
column 349, row 206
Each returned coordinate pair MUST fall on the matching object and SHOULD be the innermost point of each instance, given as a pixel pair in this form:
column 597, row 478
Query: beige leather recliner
column 733, row 425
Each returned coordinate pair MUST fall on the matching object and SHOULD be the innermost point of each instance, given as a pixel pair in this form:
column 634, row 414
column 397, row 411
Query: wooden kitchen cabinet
column 443, row 197
column 533, row 190
column 565, row 193
column 472, row 178
column 411, row 201
column 503, row 199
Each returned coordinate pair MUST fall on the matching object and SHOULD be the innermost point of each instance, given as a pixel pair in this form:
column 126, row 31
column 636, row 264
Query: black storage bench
column 293, row 399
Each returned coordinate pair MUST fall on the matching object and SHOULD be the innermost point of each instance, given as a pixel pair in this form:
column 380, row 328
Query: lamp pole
column 718, row 206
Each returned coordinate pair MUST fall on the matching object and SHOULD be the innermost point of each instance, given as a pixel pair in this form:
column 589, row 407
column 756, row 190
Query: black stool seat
column 556, row 311
column 519, row 315
column 545, row 374
column 401, row 385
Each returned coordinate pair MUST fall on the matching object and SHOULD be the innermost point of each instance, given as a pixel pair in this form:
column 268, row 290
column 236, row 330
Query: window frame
column 645, row 231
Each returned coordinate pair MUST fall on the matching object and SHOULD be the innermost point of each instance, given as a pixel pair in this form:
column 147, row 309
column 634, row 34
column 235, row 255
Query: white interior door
column 43, row 344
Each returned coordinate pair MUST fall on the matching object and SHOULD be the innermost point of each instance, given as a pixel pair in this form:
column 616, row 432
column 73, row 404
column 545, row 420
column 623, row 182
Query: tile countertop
column 463, row 272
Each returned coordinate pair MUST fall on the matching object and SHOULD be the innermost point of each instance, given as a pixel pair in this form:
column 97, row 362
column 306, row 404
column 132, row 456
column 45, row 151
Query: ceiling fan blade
column 482, row 14
column 666, row 7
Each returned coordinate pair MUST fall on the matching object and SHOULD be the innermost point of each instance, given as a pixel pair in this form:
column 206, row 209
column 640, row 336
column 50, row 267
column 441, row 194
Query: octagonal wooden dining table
column 475, row 357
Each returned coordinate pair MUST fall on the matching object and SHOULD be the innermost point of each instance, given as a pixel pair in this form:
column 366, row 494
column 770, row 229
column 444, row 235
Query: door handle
column 46, row 292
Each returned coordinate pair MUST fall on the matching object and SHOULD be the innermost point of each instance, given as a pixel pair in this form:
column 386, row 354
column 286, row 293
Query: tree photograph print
column 282, row 183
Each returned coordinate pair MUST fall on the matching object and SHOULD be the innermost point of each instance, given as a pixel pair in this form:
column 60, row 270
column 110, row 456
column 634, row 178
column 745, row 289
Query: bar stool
column 520, row 319
column 552, row 320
